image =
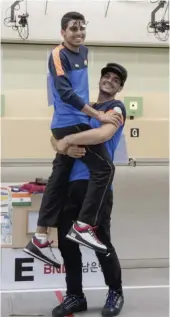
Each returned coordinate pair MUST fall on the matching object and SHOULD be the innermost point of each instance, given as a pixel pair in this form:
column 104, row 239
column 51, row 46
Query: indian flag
column 21, row 199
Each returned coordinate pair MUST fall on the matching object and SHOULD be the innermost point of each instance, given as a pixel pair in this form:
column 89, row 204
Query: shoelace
column 49, row 245
column 68, row 299
column 93, row 234
column 112, row 298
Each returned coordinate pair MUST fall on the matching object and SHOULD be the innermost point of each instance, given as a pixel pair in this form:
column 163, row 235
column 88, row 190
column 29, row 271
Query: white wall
column 125, row 24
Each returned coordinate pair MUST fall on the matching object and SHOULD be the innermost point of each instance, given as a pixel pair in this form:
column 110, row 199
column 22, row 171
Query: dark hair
column 71, row 16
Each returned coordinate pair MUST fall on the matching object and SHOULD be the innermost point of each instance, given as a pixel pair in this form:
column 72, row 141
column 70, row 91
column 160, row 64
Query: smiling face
column 110, row 84
column 75, row 33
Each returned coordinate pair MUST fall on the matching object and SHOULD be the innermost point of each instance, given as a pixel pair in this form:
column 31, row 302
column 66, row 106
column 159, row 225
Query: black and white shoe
column 42, row 252
column 70, row 305
column 86, row 236
column 114, row 304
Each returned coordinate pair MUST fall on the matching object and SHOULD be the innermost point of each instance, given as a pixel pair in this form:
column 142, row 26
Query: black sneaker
column 71, row 304
column 42, row 252
column 86, row 236
column 114, row 304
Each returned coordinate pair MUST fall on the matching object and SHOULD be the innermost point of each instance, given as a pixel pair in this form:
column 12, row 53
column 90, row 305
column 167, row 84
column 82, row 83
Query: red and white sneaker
column 42, row 252
column 86, row 236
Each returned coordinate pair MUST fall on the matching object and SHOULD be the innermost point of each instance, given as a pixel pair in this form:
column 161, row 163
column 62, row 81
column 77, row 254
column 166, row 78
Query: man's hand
column 54, row 143
column 59, row 146
column 111, row 117
column 62, row 146
column 73, row 150
column 76, row 151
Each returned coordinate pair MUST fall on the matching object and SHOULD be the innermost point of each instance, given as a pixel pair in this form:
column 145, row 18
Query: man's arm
column 92, row 136
column 59, row 69
column 74, row 150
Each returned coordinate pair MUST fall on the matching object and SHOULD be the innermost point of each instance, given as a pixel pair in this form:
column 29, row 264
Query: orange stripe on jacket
column 57, row 60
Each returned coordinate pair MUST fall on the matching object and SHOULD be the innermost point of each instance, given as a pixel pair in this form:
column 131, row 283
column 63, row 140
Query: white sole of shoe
column 79, row 242
column 84, row 244
column 37, row 257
